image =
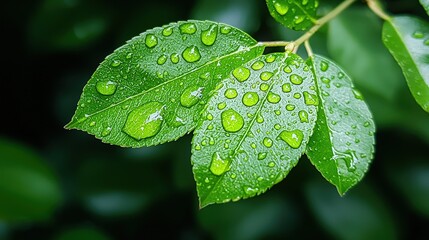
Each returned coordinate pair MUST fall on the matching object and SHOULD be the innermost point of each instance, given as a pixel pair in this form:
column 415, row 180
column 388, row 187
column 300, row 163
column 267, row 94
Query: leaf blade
column 243, row 147
column 404, row 37
column 296, row 15
column 342, row 144
column 425, row 4
column 148, row 76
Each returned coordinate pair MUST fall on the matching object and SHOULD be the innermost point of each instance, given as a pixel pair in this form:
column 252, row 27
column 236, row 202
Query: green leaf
column 255, row 128
column 342, row 144
column 296, row 14
column 152, row 89
column 425, row 4
column 407, row 39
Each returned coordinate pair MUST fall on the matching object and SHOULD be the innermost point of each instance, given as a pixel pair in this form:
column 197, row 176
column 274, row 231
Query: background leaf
column 255, row 129
column 342, row 144
column 295, row 14
column 407, row 39
column 425, row 4
column 152, row 89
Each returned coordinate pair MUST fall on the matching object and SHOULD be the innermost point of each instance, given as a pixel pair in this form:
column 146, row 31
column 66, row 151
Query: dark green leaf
column 255, row 128
column 407, row 39
column 342, row 144
column 425, row 4
column 295, row 14
column 152, row 89
column 29, row 191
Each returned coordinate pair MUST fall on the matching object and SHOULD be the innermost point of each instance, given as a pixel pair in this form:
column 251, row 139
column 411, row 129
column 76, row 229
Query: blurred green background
column 58, row 184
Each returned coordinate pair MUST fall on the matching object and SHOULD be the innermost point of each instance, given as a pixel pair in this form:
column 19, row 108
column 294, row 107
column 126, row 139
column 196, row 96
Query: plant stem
column 308, row 48
column 274, row 43
column 375, row 6
column 322, row 21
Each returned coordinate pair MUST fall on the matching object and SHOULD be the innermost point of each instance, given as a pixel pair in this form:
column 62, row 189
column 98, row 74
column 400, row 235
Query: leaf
column 425, row 4
column 355, row 44
column 342, row 144
column 152, row 89
column 255, row 128
column 296, row 14
column 407, row 39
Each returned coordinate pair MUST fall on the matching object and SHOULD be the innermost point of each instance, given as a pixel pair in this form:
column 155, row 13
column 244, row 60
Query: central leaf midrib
column 249, row 127
column 172, row 80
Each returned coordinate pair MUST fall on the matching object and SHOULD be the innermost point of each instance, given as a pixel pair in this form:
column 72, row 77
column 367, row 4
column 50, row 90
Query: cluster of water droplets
column 299, row 14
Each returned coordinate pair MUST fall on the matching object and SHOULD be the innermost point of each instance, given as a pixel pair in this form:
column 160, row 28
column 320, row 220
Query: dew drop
column 174, row 58
column 295, row 79
column 116, row 63
column 304, row 2
column 280, row 8
column 106, row 131
column 218, row 166
column 303, row 116
column 129, row 55
column 106, row 88
column 262, row 155
column 231, row 93
column 292, row 138
column 162, row 59
column 92, row 124
column 144, row 121
column 265, row 76
column 167, row 31
column 271, row 164
column 188, row 28
column 287, row 69
column 286, row 88
column 277, row 112
column 277, row 126
column 310, row 99
column 270, row 58
column 208, row 37
column 268, row 142
column 259, row 118
column 299, row 19
column 251, row 191
column 264, row 87
column 297, row 95
column 324, row 66
column 290, row 107
column 225, row 29
column 273, row 98
column 232, row 121
column 241, row 74
column 191, row 96
column 221, row 105
column 366, row 124
column 258, row 65
column 151, row 40
column 426, row 42
column 250, row 99
column 191, row 54
column 418, row 34
column 253, row 145
column 357, row 94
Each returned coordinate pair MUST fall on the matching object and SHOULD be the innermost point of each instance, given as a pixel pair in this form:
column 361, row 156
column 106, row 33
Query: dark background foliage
column 58, row 184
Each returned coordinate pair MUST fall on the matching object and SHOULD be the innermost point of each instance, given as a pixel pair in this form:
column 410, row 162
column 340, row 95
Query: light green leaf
column 425, row 4
column 295, row 14
column 407, row 39
column 342, row 144
column 255, row 128
column 152, row 89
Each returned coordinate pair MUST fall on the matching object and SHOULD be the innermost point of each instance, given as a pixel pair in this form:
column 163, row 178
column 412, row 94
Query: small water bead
column 270, row 58
column 366, row 124
column 167, row 31
column 225, row 29
column 259, row 118
column 92, row 124
column 264, row 87
column 324, row 66
column 221, row 105
column 174, row 58
column 303, row 116
column 106, row 88
column 191, row 96
column 357, row 94
column 188, row 28
column 292, row 138
column 418, row 34
column 299, row 19
column 219, row 166
column 116, row 63
column 280, row 8
column 277, row 112
column 295, row 79
column 268, row 142
column 273, row 98
column 208, row 37
column 151, row 41
column 290, row 107
column 297, row 95
column 265, row 76
column 162, row 59
column 129, row 55
column 251, row 191
column 341, row 75
column 287, row 69
column 258, row 65
column 310, row 99
column 106, row 132
column 241, row 74
column 209, row 116
column 250, row 99
column 286, row 88
column 253, row 145
column 191, row 54
column 304, row 2
column 271, row 164
column 233, row 175
column 231, row 93
column 262, row 155
column 277, row 126
column 325, row 80
column 232, row 121
column 144, row 121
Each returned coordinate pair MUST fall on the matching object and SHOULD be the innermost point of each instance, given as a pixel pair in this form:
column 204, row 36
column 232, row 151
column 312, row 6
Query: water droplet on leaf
column 264, row 87
column 267, row 142
column 191, row 54
column 250, row 99
column 286, row 88
column 292, row 138
column 311, row 99
column 188, row 28
column 167, row 31
column 262, row 155
column 241, row 74
column 208, row 37
column 162, row 59
column 231, row 93
column 303, row 116
column 232, row 121
column 106, row 88
column 218, row 166
column 273, row 98
column 265, row 76
column 191, row 96
column 295, row 79
column 280, row 8
column 324, row 66
column 116, row 63
column 144, row 121
column 257, row 65
column 151, row 40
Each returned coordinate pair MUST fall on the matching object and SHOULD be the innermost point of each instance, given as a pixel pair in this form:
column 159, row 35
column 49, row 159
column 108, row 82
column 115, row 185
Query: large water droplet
column 167, row 31
column 280, row 8
column 151, row 40
column 218, row 165
column 273, row 98
column 208, row 37
column 290, row 107
column 292, row 138
column 259, row 118
column 250, row 99
column 286, row 88
column 287, row 69
column 116, row 63
column 232, row 121
column 357, row 94
column 270, row 58
column 106, row 132
column 191, row 54
column 311, row 99
column 174, row 58
column 265, row 76
column 161, row 60
column 264, row 87
column 268, row 142
column 295, row 79
column 241, row 74
column 324, row 66
column 262, row 155
column 144, row 121
column 191, row 96
column 221, row 105
column 251, row 191
column 299, row 19
column 106, row 88
column 303, row 116
column 231, row 93
column 258, row 65
column 188, row 28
